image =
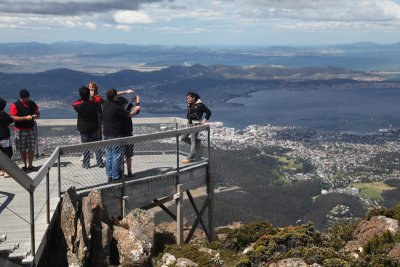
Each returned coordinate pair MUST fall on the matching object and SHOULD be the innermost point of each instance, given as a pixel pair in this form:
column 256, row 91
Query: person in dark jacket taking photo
column 113, row 121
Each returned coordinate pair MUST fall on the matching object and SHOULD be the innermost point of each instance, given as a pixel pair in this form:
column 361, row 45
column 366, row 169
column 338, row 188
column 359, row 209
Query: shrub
column 339, row 234
column 190, row 252
column 240, row 238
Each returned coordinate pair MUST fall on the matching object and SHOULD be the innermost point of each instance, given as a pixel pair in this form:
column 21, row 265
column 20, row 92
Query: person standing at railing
column 195, row 111
column 113, row 116
column 24, row 112
column 95, row 95
column 127, row 129
column 5, row 136
column 88, row 124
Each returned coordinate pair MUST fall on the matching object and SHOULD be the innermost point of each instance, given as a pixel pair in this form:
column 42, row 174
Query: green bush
column 240, row 238
column 325, row 256
column 379, row 212
column 339, row 234
column 281, row 242
column 190, row 252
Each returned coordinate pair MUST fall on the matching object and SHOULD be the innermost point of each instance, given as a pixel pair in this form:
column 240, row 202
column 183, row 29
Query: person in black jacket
column 196, row 110
column 24, row 112
column 127, row 129
column 113, row 117
column 5, row 136
column 89, row 115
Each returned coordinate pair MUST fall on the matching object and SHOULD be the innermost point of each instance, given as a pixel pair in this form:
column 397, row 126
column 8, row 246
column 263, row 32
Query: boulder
column 130, row 249
column 168, row 259
column 73, row 260
column 68, row 217
column 83, row 231
column 100, row 213
column 395, row 252
column 183, row 262
column 366, row 230
column 93, row 221
column 100, row 245
column 140, row 223
column 292, row 262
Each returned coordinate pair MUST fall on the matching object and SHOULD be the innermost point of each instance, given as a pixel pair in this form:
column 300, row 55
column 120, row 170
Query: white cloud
column 24, row 21
column 132, row 17
column 91, row 25
column 123, row 27
column 322, row 10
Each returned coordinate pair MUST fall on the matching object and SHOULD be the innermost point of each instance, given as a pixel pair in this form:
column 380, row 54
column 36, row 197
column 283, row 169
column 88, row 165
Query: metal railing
column 154, row 155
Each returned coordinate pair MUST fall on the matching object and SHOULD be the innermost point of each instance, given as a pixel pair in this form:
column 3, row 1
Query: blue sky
column 201, row 23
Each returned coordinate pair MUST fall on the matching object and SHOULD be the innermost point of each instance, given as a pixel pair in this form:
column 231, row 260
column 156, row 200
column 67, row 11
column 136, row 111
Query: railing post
column 210, row 191
column 208, row 144
column 179, row 215
column 124, row 203
column 210, row 195
column 59, row 173
column 48, row 195
column 177, row 154
column 32, row 222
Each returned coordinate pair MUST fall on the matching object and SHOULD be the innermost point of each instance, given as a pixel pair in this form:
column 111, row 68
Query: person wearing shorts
column 24, row 112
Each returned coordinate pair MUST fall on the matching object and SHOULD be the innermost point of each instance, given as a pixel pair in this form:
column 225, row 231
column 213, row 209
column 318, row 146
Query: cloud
column 321, row 10
column 132, row 17
column 123, row 27
column 19, row 21
column 72, row 7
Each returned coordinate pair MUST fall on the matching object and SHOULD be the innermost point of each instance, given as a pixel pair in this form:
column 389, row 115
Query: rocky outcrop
column 170, row 260
column 395, row 252
column 292, row 262
column 182, row 262
column 68, row 217
column 366, row 230
column 134, row 237
column 92, row 222
column 100, row 245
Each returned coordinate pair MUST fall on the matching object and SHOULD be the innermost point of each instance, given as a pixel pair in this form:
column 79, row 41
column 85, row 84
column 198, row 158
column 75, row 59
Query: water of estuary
column 361, row 111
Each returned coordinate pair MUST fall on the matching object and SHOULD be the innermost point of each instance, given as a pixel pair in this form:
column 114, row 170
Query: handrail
column 41, row 174
column 138, row 138
column 151, row 120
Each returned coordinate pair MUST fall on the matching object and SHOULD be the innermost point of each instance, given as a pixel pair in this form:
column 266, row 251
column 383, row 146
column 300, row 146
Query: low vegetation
column 264, row 244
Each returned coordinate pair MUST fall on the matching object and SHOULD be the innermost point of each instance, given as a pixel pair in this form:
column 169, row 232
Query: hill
column 216, row 84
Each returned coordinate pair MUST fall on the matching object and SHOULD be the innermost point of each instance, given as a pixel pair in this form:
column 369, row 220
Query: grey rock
column 183, row 262
column 68, row 218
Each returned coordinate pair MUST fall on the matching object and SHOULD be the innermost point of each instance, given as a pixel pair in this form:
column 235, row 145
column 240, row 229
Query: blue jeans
column 87, row 138
column 114, row 159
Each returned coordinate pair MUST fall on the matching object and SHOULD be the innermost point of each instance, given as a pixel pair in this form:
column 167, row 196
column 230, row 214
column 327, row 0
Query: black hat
column 23, row 93
column 3, row 103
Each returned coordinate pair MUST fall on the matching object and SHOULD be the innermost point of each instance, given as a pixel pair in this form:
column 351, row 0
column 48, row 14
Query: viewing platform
column 29, row 202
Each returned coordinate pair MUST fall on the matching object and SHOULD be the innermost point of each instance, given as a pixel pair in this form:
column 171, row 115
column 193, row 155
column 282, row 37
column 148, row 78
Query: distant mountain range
column 106, row 58
column 217, row 83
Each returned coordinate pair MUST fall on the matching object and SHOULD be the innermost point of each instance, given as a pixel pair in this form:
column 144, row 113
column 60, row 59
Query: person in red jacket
column 89, row 115
column 24, row 112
